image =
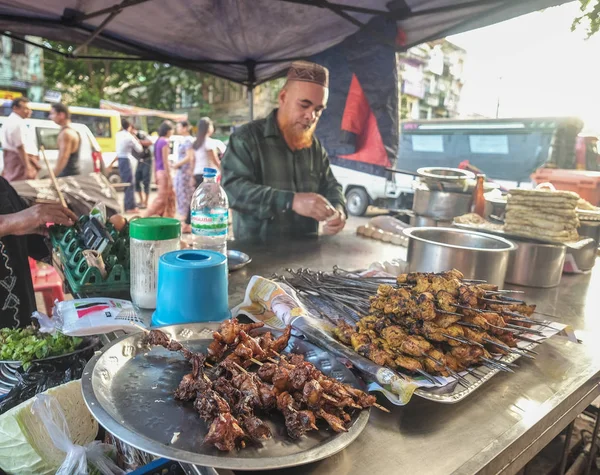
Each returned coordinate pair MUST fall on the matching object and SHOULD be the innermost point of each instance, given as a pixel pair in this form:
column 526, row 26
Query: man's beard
column 296, row 137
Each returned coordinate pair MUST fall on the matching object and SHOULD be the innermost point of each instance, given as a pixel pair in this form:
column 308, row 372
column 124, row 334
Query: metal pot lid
column 446, row 174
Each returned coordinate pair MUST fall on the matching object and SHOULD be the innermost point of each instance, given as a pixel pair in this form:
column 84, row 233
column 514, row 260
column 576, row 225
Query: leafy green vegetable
column 27, row 344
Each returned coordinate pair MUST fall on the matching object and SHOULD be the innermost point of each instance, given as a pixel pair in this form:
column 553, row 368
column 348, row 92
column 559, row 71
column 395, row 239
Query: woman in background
column 164, row 203
column 207, row 152
column 184, row 180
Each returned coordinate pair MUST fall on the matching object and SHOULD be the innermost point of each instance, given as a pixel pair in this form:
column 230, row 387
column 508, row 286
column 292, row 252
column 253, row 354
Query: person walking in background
column 16, row 141
column 143, row 170
column 69, row 142
column 164, row 203
column 207, row 152
column 184, row 180
column 126, row 144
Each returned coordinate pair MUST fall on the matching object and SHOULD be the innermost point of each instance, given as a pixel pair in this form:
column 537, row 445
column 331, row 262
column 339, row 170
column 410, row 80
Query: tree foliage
column 143, row 83
column 590, row 17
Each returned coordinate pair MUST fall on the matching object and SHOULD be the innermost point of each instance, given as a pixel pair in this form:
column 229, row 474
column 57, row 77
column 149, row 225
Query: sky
column 535, row 66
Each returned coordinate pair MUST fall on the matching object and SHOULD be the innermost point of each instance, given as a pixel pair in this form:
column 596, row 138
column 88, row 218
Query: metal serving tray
column 129, row 389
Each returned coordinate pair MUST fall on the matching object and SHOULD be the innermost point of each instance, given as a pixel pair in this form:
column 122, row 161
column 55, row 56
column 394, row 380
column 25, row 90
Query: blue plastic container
column 192, row 287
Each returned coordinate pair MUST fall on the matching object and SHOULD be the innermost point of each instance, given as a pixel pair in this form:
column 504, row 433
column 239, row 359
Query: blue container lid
column 192, row 287
column 193, row 258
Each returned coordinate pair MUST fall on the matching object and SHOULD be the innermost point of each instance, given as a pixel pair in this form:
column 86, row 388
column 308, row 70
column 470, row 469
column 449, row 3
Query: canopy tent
column 246, row 41
column 135, row 111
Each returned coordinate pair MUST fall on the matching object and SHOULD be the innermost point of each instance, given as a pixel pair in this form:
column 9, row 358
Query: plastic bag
column 128, row 458
column 78, row 457
column 99, row 212
column 93, row 316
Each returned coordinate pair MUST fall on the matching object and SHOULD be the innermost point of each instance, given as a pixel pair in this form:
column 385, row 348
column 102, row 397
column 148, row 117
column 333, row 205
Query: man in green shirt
column 276, row 174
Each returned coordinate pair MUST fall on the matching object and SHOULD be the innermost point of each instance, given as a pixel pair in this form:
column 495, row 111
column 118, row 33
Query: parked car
column 45, row 132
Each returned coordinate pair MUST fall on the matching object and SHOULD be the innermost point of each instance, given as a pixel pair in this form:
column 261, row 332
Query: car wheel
column 114, row 178
column 357, row 201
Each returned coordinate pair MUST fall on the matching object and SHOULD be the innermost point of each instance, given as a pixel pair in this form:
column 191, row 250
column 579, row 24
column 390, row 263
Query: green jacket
column 261, row 174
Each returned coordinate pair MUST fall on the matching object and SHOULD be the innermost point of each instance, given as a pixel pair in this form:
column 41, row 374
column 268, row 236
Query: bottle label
column 210, row 223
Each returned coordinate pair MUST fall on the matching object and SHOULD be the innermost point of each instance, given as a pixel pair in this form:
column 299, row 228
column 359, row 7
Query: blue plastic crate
column 160, row 466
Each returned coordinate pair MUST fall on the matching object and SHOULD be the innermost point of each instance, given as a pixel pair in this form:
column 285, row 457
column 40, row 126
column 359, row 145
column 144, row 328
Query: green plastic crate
column 84, row 279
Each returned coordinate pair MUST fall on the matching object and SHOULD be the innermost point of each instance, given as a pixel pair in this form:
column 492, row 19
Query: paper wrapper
column 94, row 259
column 278, row 305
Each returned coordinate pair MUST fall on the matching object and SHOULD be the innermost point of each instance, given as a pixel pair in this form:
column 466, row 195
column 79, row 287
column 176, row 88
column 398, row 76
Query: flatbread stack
column 543, row 214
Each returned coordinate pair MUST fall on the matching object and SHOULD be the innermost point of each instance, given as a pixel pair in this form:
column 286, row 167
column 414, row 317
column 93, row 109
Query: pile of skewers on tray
column 423, row 323
column 243, row 377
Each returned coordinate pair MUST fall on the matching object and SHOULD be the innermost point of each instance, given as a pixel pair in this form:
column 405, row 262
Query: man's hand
column 336, row 224
column 33, row 220
column 312, row 205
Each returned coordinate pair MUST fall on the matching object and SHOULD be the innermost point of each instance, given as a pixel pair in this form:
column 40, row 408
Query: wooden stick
column 273, row 360
column 328, row 397
column 53, row 177
column 256, row 361
column 381, row 408
column 208, row 364
column 139, row 327
column 206, row 378
column 240, row 368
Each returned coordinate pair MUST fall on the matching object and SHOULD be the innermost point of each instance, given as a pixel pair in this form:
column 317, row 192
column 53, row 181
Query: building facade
column 21, row 70
column 431, row 80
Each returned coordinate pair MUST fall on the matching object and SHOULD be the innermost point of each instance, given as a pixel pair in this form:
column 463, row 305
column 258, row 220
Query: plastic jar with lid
column 150, row 239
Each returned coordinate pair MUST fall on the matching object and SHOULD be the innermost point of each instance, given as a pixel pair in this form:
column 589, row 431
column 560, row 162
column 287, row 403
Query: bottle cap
column 210, row 172
column 154, row 229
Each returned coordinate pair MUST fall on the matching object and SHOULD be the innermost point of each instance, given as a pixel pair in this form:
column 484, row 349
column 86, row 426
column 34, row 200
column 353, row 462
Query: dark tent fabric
column 366, row 66
column 247, row 41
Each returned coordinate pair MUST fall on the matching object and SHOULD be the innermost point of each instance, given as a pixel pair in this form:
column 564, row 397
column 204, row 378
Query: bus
column 506, row 150
column 104, row 124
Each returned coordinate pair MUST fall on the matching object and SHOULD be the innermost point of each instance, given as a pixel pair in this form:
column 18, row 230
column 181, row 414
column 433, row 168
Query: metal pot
column 419, row 221
column 495, row 207
column 476, row 255
column 534, row 264
column 441, row 205
column 585, row 258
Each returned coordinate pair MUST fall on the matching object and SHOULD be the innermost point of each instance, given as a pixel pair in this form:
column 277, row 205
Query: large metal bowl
column 534, row 264
column 476, row 255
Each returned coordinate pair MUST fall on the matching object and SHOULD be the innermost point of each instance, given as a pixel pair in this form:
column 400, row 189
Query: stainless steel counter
column 501, row 426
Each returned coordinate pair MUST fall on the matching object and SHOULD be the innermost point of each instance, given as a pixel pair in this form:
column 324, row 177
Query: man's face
column 300, row 107
column 23, row 110
column 180, row 129
column 57, row 117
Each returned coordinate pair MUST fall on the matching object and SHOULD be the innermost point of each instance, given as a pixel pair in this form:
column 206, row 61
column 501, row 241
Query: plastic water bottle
column 210, row 213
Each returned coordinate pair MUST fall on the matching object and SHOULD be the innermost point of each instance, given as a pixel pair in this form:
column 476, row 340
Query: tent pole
column 96, row 32
column 251, row 66
column 251, row 102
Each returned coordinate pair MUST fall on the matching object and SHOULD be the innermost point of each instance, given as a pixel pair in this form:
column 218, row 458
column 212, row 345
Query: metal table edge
column 493, row 459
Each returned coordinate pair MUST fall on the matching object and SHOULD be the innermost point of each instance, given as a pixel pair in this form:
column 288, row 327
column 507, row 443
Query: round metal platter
column 237, row 259
column 129, row 390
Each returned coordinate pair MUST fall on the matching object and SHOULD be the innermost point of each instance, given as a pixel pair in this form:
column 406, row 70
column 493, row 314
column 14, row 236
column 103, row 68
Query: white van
column 45, row 132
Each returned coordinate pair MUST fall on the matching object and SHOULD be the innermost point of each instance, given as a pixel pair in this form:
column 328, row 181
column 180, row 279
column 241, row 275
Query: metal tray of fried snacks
column 129, row 388
column 454, row 392
column 448, row 390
